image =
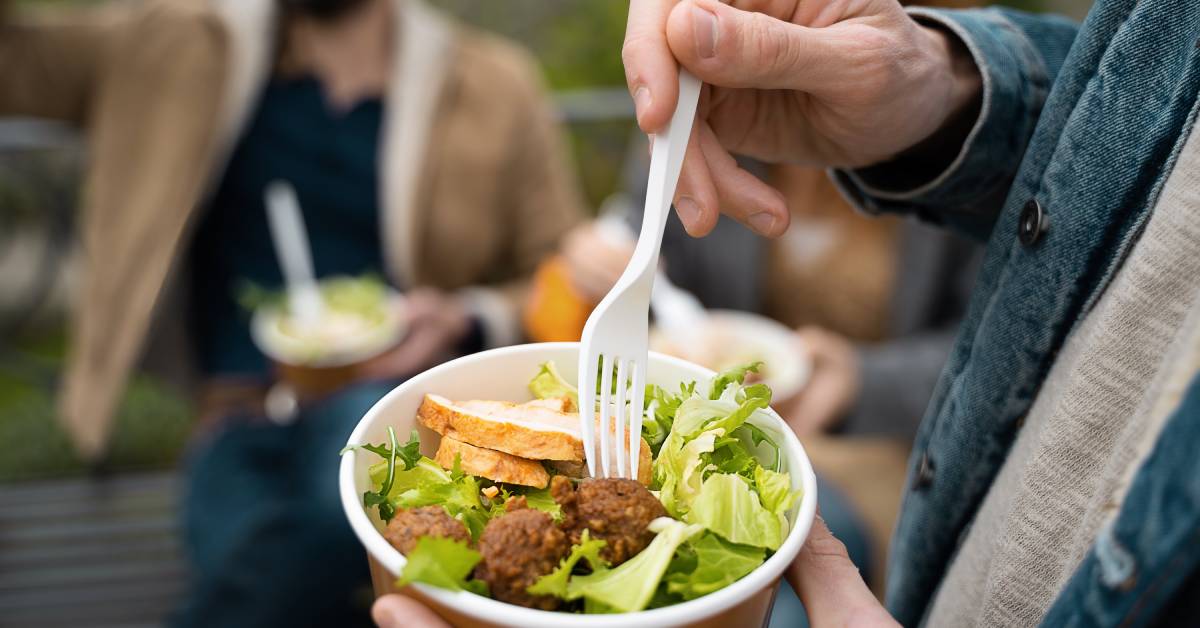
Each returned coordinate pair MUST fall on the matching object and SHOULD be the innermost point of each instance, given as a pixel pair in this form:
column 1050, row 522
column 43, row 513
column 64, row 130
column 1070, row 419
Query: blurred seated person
column 875, row 303
column 420, row 151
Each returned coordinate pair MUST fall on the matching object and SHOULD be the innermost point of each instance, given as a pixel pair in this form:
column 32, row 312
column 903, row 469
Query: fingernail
column 704, row 25
column 688, row 210
column 641, row 100
column 763, row 223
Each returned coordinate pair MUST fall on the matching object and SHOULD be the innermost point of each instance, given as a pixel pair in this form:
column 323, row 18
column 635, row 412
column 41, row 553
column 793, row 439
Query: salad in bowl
column 361, row 318
column 482, row 504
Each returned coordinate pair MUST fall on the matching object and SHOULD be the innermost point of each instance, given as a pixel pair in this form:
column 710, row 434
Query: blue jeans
column 268, row 542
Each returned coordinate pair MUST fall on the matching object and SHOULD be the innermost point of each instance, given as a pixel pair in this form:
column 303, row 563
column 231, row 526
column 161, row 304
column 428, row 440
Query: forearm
column 960, row 175
column 929, row 158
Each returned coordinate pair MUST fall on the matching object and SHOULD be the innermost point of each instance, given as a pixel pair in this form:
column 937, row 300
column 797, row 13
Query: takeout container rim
column 490, row 610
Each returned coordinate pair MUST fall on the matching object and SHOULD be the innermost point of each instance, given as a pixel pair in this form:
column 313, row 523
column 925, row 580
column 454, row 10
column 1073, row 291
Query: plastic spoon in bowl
column 295, row 257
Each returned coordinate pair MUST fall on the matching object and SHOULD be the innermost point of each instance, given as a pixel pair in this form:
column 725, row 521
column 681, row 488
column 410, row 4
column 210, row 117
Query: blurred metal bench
column 90, row 551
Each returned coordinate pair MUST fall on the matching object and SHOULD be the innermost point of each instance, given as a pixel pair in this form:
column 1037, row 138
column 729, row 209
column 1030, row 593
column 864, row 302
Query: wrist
column 964, row 84
column 956, row 86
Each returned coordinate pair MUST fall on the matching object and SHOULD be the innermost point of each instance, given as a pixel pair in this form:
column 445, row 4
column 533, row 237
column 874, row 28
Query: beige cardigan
column 476, row 185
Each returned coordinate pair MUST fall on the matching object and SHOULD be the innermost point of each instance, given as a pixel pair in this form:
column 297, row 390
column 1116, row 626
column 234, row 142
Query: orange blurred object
column 555, row 311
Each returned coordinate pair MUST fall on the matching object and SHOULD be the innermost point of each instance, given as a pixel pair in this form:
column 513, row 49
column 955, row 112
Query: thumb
column 398, row 611
column 729, row 47
column 830, row 586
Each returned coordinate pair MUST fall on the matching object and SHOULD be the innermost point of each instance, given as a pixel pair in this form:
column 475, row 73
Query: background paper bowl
column 504, row 374
column 312, row 372
column 741, row 337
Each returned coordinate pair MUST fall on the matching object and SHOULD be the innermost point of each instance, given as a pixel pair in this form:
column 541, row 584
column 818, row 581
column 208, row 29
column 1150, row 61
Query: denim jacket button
column 1033, row 222
column 924, row 475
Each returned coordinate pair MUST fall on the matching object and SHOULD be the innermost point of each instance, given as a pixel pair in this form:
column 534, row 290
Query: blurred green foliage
column 578, row 43
column 152, row 423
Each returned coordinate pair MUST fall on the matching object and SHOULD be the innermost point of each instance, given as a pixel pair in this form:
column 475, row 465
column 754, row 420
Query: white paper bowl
column 504, row 374
column 738, row 333
column 287, row 349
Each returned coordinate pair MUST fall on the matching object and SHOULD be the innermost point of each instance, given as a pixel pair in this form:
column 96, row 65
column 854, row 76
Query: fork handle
column 666, row 162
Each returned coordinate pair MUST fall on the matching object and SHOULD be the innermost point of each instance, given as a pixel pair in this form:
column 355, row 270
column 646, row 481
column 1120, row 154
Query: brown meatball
column 518, row 548
column 409, row 525
column 615, row 510
column 562, row 489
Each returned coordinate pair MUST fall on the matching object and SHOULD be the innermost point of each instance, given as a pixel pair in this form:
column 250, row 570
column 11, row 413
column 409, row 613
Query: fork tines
column 630, row 393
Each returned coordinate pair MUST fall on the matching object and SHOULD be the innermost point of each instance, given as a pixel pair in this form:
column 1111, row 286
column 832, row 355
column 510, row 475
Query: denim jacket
column 1078, row 129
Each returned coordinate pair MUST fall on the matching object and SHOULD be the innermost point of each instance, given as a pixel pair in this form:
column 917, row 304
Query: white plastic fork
column 617, row 333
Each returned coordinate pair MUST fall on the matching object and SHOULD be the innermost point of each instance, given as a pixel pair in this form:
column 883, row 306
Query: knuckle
column 636, row 47
column 757, row 40
column 770, row 47
column 876, row 58
column 827, row 549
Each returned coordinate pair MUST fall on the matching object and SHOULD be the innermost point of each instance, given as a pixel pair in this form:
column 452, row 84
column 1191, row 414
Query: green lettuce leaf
column 549, row 384
column 441, row 562
column 740, row 415
column 774, row 490
column 425, row 471
column 679, row 471
column 728, row 507
column 701, row 428
column 459, row 495
column 678, row 467
column 730, row 455
column 653, row 433
column 717, row 564
column 426, row 483
column 661, row 407
column 755, row 436
column 365, row 296
column 736, row 375
column 696, row 412
column 630, row 586
column 555, row 582
column 409, row 455
column 541, row 499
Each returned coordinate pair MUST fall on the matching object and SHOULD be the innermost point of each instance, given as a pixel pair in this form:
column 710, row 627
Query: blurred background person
column 420, row 151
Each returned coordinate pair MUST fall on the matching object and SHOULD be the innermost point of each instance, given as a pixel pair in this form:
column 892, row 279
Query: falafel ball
column 562, row 490
column 411, row 524
column 518, row 548
column 616, row 510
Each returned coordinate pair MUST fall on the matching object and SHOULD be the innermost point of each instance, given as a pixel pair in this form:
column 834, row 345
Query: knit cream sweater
column 1100, row 409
